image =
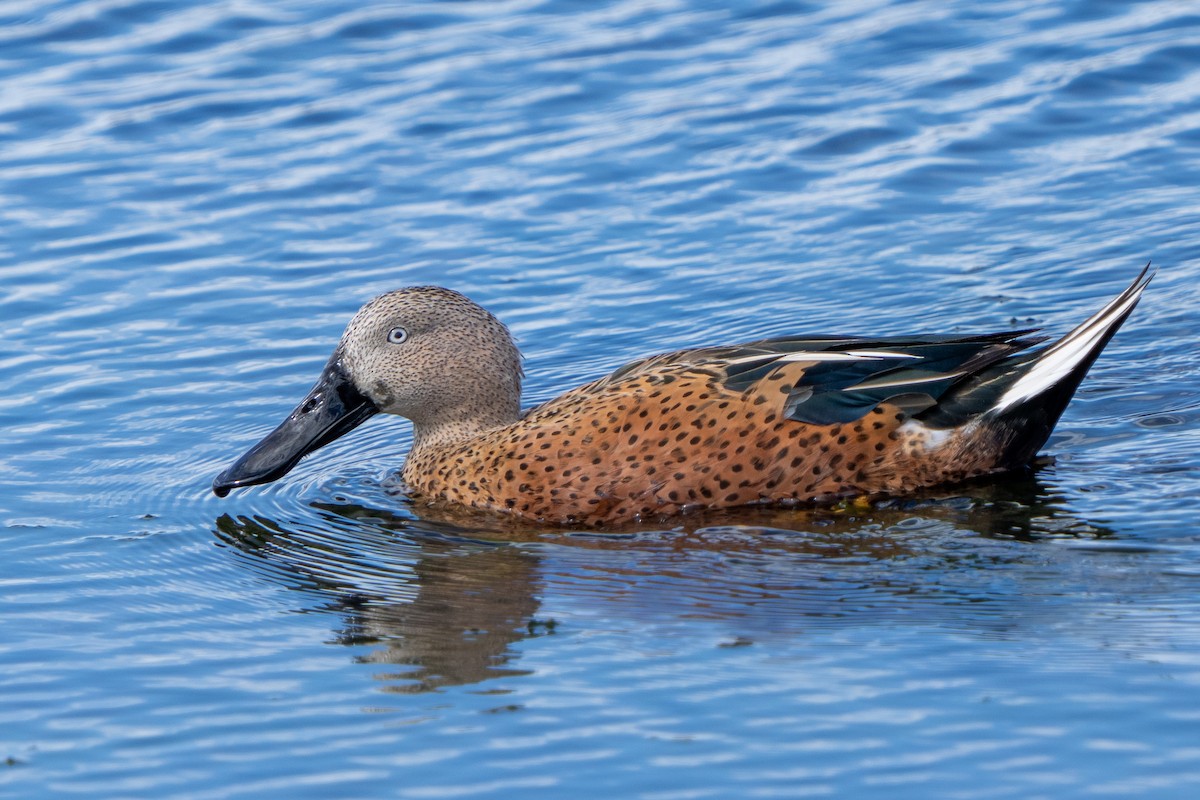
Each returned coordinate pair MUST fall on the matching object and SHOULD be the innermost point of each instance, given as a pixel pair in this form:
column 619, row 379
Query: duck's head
column 425, row 353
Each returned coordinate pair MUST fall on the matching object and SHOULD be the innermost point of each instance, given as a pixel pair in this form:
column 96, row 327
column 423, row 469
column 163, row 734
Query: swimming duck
column 790, row 420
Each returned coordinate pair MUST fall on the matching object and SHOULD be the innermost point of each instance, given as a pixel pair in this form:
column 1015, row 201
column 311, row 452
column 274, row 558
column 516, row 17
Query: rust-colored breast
column 665, row 440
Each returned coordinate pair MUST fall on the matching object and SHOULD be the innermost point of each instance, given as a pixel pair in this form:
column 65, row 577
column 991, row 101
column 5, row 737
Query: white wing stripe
column 822, row 355
column 848, row 355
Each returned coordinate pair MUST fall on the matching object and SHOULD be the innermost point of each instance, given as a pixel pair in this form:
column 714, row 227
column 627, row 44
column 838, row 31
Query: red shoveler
column 790, row 420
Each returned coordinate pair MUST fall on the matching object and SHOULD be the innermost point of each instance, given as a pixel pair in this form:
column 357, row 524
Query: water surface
column 195, row 197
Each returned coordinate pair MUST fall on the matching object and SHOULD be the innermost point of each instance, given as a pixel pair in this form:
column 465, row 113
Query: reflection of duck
column 785, row 420
column 1016, row 505
column 451, row 603
column 449, row 609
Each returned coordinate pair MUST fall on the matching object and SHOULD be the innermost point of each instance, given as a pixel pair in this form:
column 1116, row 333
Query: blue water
column 195, row 197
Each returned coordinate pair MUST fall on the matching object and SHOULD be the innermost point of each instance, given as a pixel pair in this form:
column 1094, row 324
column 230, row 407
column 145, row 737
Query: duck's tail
column 1025, row 395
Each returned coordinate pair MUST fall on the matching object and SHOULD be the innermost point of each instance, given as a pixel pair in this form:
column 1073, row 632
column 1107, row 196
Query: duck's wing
column 833, row 380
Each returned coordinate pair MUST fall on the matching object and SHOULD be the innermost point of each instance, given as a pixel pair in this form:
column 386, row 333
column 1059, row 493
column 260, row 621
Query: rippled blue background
column 194, row 198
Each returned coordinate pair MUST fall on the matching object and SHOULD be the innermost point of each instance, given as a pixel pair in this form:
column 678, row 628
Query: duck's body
column 780, row 421
column 709, row 428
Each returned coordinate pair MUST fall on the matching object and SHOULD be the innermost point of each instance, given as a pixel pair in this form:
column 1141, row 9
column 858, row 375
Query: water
column 194, row 198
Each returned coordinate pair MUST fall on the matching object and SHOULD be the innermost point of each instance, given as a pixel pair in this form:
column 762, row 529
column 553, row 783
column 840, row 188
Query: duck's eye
column 397, row 336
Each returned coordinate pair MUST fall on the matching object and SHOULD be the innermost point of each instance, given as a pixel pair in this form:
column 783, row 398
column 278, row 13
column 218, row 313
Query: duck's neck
column 450, row 429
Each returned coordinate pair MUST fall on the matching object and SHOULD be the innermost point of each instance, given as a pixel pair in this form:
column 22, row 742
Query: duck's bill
column 333, row 408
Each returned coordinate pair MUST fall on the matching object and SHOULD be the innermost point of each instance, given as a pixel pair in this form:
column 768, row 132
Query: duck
column 785, row 421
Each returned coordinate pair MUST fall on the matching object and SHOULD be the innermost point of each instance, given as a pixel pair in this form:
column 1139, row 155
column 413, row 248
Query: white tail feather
column 1061, row 358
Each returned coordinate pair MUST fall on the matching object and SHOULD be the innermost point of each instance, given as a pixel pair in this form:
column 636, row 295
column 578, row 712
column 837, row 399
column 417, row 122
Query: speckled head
column 425, row 353
column 434, row 356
